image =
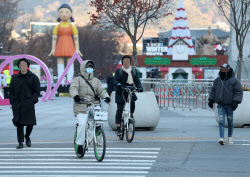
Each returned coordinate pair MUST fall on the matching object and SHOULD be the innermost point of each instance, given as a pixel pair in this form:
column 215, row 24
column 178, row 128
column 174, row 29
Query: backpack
column 134, row 72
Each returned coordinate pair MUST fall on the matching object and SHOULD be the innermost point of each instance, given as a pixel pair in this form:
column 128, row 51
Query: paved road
column 185, row 143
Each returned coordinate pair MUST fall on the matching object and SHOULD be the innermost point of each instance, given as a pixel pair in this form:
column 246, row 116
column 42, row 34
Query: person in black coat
column 125, row 76
column 24, row 93
column 110, row 83
column 227, row 93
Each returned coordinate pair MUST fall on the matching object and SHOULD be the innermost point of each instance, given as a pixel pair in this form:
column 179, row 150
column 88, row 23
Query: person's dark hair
column 126, row 56
column 68, row 7
column 23, row 59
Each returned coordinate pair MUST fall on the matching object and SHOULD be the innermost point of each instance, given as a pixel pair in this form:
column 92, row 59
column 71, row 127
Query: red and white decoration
column 219, row 47
column 181, row 30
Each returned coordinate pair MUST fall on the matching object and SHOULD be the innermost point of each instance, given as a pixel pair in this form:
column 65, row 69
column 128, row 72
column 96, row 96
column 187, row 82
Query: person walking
column 227, row 93
column 24, row 92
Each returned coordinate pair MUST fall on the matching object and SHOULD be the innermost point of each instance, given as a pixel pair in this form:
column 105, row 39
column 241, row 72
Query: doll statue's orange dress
column 65, row 46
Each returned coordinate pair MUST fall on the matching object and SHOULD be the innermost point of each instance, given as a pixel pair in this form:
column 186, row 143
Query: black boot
column 27, row 141
column 79, row 150
column 118, row 131
column 20, row 146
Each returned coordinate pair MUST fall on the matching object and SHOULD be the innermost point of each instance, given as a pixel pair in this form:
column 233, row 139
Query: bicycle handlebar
column 82, row 101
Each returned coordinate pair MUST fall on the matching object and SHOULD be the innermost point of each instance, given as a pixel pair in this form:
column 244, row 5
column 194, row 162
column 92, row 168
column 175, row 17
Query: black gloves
column 77, row 99
column 107, row 99
column 119, row 86
column 140, row 90
column 211, row 104
column 234, row 105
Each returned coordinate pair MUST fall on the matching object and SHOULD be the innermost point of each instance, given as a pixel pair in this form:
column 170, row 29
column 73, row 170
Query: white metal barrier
column 191, row 94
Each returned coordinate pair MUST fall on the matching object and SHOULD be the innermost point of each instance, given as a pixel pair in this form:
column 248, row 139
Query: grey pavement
column 185, row 143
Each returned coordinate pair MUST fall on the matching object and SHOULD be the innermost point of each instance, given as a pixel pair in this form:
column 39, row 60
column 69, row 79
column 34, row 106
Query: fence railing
column 191, row 94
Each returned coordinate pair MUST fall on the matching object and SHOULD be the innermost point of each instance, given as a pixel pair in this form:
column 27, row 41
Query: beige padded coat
column 81, row 88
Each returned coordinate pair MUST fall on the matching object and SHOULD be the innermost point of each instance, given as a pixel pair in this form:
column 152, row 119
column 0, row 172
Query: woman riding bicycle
column 85, row 86
column 125, row 76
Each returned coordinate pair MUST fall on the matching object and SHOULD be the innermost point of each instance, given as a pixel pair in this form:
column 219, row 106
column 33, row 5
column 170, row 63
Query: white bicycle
column 127, row 123
column 94, row 130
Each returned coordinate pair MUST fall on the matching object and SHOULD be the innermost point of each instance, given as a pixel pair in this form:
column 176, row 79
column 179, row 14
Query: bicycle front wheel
column 130, row 131
column 100, row 144
column 76, row 147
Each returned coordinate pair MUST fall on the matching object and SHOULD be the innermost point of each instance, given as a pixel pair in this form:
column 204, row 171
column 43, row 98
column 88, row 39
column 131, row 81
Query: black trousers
column 20, row 132
column 120, row 107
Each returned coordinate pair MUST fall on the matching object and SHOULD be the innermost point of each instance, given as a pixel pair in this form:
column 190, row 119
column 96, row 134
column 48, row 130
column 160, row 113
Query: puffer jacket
column 81, row 88
column 225, row 91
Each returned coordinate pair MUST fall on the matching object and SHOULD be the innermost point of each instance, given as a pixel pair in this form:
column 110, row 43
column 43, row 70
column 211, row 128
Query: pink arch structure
column 42, row 64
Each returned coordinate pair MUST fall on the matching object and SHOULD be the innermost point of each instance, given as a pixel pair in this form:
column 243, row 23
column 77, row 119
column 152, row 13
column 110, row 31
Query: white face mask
column 89, row 70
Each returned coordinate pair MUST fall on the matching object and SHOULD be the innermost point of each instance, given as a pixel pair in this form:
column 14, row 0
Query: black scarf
column 226, row 75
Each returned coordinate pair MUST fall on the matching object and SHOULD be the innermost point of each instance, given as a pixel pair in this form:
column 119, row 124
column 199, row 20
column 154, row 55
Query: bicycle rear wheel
column 100, row 144
column 130, row 131
column 122, row 130
column 76, row 146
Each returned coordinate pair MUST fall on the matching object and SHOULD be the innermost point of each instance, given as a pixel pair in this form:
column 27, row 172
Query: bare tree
column 237, row 14
column 100, row 45
column 129, row 15
column 9, row 11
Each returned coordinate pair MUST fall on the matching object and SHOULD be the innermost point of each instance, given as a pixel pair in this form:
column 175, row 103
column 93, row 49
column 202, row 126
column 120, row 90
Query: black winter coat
column 24, row 93
column 226, row 90
column 111, row 85
column 123, row 81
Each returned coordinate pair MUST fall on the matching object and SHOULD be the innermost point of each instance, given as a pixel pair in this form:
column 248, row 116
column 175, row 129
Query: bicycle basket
column 101, row 115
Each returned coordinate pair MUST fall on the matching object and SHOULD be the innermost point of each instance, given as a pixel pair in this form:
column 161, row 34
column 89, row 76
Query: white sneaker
column 230, row 140
column 221, row 141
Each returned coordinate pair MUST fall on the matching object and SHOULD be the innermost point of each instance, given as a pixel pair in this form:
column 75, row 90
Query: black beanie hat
column 23, row 59
column 90, row 63
column 126, row 56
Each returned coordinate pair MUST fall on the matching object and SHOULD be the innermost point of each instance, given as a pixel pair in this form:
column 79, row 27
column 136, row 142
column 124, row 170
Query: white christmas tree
column 181, row 30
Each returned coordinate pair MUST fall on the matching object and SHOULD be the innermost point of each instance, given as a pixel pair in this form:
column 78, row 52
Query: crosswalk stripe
column 56, row 149
column 75, row 175
column 109, row 152
column 72, row 155
column 79, row 160
column 73, row 167
column 72, row 163
column 78, row 172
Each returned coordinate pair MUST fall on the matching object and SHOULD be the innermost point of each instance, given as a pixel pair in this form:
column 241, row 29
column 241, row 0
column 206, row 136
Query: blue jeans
column 224, row 110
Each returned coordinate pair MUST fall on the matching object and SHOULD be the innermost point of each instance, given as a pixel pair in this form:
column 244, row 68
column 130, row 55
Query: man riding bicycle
column 85, row 86
column 125, row 76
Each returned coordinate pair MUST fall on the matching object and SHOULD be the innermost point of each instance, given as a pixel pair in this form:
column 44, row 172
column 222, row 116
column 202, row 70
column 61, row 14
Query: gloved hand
column 107, row 100
column 140, row 90
column 234, row 105
column 211, row 104
column 119, row 86
column 77, row 99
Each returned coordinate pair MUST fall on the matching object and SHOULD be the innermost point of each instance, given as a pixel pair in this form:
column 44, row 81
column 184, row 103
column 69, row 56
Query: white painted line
column 78, row 172
column 80, row 160
column 73, row 163
column 74, row 167
column 76, row 175
column 56, row 149
column 57, row 152
column 71, row 155
column 240, row 144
